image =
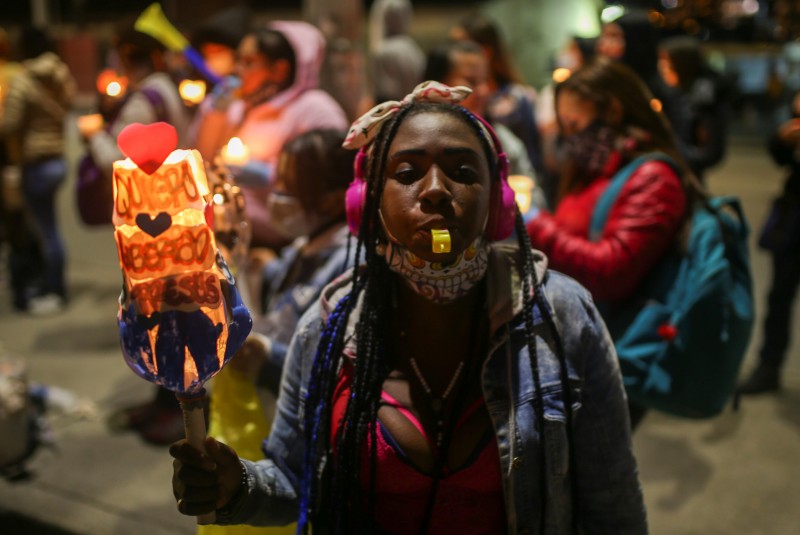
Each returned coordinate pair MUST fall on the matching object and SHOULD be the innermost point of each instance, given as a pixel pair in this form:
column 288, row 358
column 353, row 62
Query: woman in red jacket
column 607, row 118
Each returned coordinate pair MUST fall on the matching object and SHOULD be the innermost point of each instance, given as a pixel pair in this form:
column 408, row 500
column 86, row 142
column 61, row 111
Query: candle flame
column 561, row 74
column 656, row 105
column 235, row 147
column 192, row 91
column 111, row 84
column 114, row 89
column 523, row 188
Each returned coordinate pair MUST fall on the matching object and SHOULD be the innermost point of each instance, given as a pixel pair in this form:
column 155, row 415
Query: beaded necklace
column 437, row 402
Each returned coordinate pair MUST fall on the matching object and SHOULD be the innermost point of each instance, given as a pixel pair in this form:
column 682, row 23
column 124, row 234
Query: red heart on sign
column 148, row 145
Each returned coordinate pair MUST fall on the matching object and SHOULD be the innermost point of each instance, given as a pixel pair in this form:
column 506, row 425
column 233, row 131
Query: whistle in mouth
column 441, row 240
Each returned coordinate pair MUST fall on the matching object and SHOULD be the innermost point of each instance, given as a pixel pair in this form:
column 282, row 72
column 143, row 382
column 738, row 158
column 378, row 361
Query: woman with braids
column 450, row 384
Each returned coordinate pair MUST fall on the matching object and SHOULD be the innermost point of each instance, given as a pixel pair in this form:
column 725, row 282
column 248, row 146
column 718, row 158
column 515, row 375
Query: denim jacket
column 602, row 495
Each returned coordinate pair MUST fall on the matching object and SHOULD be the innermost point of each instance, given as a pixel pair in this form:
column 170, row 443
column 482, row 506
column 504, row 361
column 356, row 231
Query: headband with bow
column 365, row 128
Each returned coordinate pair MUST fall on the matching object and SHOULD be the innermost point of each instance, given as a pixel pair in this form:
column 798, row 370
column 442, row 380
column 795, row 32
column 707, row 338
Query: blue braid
column 314, row 418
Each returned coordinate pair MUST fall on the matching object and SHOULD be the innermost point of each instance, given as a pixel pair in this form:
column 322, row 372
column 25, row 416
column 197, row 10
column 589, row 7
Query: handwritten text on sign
column 187, row 292
column 178, row 249
column 171, row 189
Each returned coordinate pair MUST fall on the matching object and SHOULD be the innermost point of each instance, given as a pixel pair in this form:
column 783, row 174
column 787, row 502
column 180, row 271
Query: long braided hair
column 331, row 493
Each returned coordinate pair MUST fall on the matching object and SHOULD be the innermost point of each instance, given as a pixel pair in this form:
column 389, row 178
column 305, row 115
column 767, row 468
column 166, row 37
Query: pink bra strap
column 405, row 412
column 413, row 419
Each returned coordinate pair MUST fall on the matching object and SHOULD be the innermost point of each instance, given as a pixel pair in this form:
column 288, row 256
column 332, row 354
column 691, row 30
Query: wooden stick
column 194, row 424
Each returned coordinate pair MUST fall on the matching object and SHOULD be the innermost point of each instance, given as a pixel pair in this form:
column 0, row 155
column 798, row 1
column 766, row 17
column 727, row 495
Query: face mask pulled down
column 436, row 281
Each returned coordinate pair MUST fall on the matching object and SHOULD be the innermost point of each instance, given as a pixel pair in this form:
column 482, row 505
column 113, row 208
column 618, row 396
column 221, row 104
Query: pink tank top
column 469, row 500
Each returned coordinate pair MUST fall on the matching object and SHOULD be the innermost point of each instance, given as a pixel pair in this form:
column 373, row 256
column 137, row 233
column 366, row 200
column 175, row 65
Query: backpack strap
column 609, row 196
column 157, row 102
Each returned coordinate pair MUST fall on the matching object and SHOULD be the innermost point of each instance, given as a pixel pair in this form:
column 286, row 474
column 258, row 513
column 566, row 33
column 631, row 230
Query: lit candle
column 561, row 74
column 192, row 91
column 235, row 153
column 114, row 89
column 110, row 84
column 523, row 189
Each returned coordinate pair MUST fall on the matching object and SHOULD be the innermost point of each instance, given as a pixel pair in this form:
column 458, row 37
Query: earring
column 380, row 249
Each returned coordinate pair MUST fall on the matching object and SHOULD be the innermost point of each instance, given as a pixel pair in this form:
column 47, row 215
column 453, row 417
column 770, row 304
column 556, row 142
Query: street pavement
column 735, row 474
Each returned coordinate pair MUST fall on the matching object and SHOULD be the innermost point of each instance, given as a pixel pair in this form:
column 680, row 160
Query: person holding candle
column 472, row 376
column 152, row 96
column 278, row 70
column 307, row 204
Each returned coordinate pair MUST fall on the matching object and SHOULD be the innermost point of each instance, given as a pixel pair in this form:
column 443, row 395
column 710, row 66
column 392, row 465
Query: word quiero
column 171, row 189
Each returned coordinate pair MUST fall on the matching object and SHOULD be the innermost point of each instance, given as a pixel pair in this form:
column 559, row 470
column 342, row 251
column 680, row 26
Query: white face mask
column 438, row 282
column 289, row 217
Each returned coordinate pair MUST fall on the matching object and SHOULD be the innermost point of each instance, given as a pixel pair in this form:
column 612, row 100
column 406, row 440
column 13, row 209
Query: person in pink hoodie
column 277, row 99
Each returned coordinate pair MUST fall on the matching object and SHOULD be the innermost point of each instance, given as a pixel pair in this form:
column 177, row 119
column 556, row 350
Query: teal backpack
column 681, row 342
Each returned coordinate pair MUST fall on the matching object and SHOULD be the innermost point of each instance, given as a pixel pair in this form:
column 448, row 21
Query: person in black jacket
column 698, row 102
column 781, row 237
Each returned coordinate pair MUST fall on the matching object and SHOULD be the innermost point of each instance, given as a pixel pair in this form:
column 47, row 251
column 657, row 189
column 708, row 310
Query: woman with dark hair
column 699, row 103
column 450, row 383
column 511, row 102
column 278, row 98
column 607, row 121
column 36, row 103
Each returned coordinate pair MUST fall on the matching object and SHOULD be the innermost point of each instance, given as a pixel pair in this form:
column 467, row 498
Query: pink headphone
column 502, row 205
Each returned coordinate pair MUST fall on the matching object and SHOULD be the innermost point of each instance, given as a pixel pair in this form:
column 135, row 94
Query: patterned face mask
column 590, row 148
column 436, row 281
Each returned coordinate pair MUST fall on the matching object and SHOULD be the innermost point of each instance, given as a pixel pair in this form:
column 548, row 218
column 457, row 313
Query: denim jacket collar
column 504, row 293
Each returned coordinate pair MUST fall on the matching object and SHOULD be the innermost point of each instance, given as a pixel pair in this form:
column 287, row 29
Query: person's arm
column 14, row 106
column 273, row 493
column 213, row 131
column 641, row 228
column 609, row 496
column 102, row 145
column 264, row 492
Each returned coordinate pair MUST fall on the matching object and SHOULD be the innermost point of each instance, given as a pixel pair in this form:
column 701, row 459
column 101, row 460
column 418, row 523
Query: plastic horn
column 154, row 23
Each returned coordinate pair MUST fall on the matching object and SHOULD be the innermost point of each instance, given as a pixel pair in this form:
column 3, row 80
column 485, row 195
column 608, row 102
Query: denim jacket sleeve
column 609, row 497
column 273, row 490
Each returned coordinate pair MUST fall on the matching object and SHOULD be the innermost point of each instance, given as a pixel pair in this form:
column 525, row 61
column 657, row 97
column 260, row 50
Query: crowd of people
column 425, row 357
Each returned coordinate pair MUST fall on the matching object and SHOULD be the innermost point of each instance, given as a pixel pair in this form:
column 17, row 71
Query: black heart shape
column 156, row 225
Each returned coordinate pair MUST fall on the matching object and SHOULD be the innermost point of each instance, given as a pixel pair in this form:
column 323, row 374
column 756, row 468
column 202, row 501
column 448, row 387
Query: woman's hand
column 204, row 482
column 89, row 125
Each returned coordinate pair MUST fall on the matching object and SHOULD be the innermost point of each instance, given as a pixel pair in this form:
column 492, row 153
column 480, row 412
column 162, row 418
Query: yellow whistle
column 441, row 240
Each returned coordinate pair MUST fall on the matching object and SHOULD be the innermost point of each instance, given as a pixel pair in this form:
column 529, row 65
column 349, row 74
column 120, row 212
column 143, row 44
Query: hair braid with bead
column 342, row 457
